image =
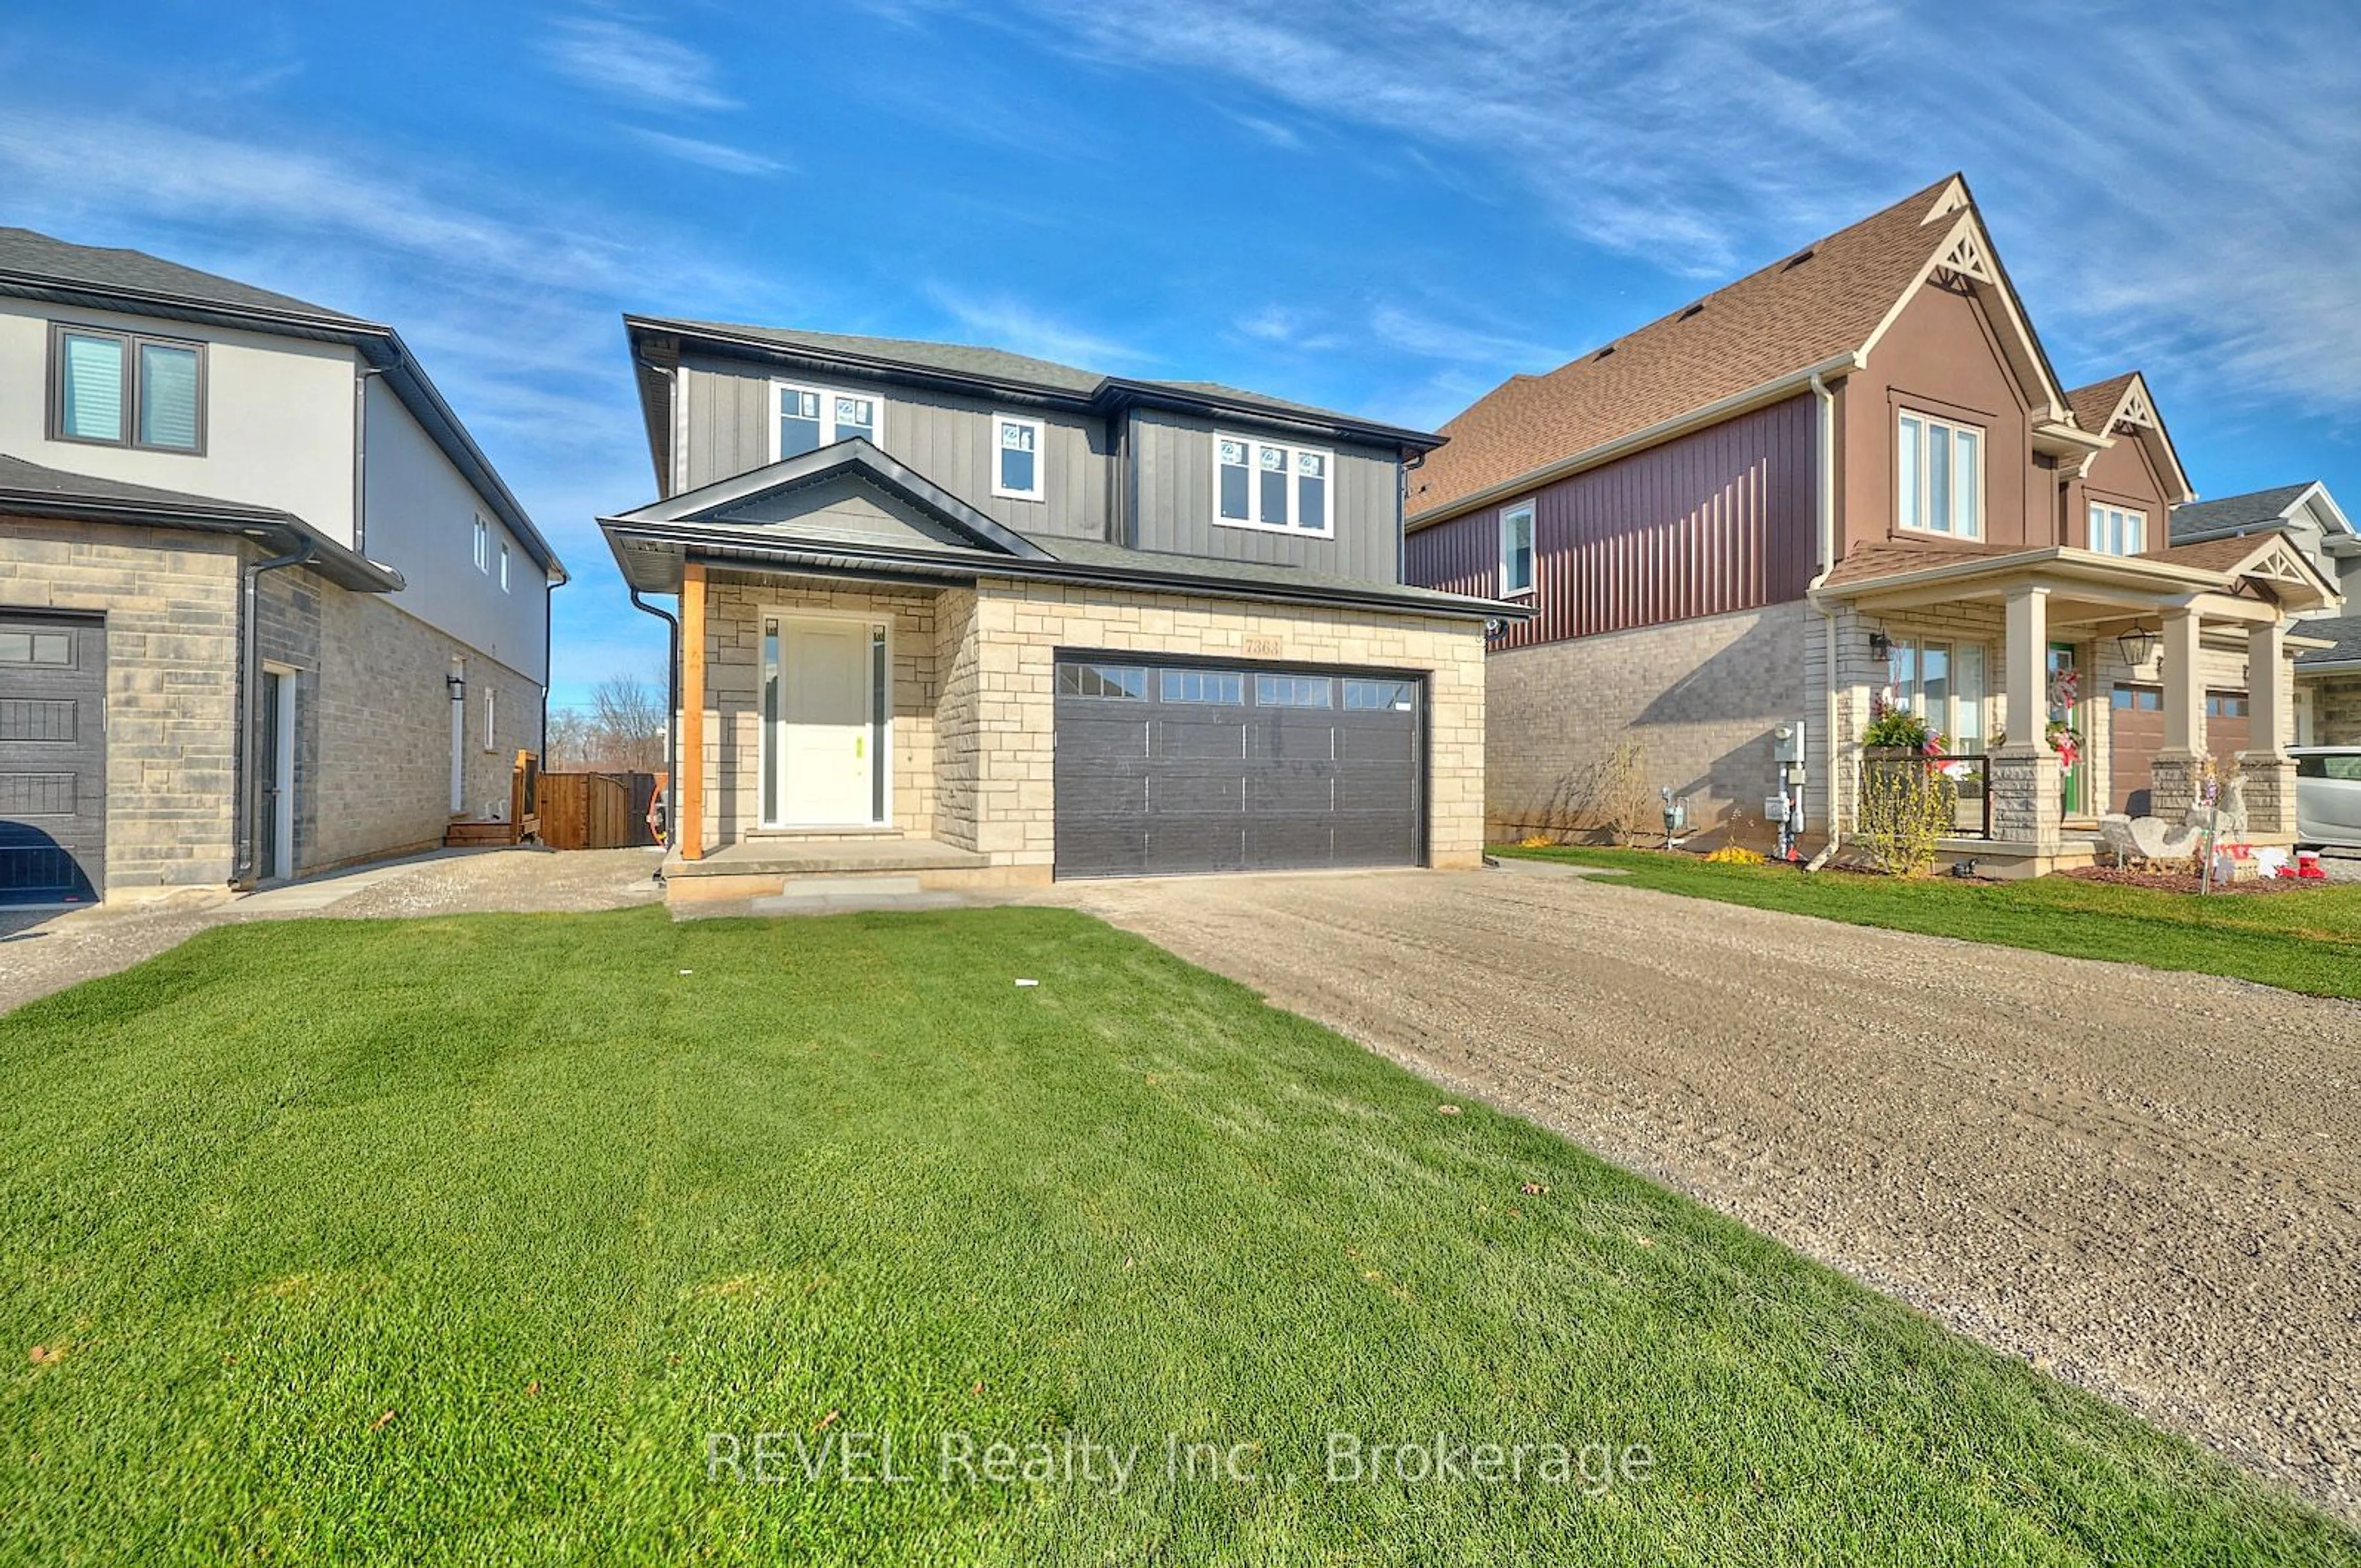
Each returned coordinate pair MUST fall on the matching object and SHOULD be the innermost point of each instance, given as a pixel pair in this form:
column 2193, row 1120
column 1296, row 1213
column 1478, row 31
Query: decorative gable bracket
column 1966, row 259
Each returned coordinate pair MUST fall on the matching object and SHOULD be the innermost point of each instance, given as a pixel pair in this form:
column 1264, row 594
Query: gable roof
column 969, row 368
column 1815, row 306
column 41, row 267
column 2230, row 514
column 2124, row 400
column 31, row 490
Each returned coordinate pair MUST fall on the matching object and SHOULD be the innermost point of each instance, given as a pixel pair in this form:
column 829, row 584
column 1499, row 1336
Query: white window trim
column 1040, row 490
column 764, row 741
column 1533, row 548
column 492, row 718
column 2096, row 519
column 1933, row 422
column 504, row 565
column 483, row 544
column 1254, row 487
column 828, row 396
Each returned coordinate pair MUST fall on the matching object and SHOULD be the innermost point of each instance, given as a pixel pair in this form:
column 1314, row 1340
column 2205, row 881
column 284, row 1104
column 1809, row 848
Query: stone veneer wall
column 171, row 601
column 2336, row 710
column 1702, row 698
column 975, row 691
column 734, row 605
column 373, row 721
column 374, row 717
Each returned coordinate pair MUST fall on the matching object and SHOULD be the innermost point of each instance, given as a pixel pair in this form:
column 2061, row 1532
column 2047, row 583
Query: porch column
column 688, row 790
column 2266, row 773
column 2027, row 805
column 2172, row 788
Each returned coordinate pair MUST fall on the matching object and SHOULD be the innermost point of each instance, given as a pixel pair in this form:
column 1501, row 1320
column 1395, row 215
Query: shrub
column 1907, row 807
column 1734, row 855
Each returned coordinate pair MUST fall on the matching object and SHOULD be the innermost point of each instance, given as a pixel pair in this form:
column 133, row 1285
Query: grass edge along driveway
column 460, row 1240
column 2307, row 940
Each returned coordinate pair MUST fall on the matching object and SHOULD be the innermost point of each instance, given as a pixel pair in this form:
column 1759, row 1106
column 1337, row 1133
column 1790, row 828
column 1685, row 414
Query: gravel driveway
column 2145, row 1183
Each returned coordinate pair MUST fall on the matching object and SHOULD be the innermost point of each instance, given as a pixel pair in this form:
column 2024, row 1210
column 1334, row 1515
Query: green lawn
column 453, row 1240
column 2307, row 940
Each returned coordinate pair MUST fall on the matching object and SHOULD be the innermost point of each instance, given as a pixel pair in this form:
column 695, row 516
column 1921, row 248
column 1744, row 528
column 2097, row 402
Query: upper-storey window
column 2117, row 530
column 813, row 417
column 504, row 565
column 1017, row 453
column 1940, row 470
column 483, row 545
column 125, row 389
column 1271, row 485
column 1517, row 548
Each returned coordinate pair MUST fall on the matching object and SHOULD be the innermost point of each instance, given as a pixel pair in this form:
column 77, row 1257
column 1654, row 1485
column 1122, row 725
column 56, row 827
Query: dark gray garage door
column 52, row 759
column 1173, row 768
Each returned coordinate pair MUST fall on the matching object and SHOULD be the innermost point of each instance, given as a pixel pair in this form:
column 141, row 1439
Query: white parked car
column 2327, row 795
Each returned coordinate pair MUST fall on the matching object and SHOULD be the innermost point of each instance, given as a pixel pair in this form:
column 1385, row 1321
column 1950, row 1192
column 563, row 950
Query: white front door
column 820, row 696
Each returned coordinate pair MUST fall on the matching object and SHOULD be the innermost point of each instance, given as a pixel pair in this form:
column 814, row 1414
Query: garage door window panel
column 1115, row 682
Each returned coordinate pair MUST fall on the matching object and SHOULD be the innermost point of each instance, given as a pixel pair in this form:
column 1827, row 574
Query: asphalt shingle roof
column 2346, row 632
column 2093, row 405
column 991, row 365
column 26, row 253
column 2256, row 509
column 1810, row 307
column 31, row 480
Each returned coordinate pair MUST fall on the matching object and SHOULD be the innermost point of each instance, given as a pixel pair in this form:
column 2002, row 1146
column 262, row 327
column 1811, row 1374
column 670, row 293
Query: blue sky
column 1383, row 207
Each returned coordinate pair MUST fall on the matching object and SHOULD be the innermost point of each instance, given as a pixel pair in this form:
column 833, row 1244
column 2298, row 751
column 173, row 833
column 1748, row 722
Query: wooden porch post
column 2270, row 714
column 2026, row 658
column 688, row 790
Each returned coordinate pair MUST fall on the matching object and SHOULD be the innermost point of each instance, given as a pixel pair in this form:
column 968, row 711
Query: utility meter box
column 1788, row 742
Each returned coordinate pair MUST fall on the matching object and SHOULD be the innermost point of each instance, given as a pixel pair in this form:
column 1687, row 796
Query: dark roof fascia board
column 696, row 541
column 380, row 345
column 853, row 455
column 1118, row 392
column 283, row 531
column 1113, row 393
column 741, row 346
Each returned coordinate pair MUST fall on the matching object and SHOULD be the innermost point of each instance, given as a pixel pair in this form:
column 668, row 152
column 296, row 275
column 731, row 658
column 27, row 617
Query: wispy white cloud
column 1000, row 322
column 633, row 62
column 711, row 154
column 2186, row 199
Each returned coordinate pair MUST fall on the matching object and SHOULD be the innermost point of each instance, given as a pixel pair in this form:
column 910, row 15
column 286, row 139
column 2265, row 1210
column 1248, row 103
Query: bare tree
column 627, row 724
column 565, row 745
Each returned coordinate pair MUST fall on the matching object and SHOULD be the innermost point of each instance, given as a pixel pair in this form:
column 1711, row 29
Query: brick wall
column 1701, row 698
column 171, row 601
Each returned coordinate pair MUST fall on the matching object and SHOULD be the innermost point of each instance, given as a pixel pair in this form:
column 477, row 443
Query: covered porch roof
column 2248, row 580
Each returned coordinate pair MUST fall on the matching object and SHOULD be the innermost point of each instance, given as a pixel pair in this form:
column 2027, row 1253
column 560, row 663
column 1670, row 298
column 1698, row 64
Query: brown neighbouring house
column 1850, row 474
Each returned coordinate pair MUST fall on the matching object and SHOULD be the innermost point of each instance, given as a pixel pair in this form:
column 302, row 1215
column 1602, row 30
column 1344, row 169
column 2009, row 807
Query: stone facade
column 171, row 601
column 975, row 690
column 372, row 758
column 2336, row 710
column 1701, row 698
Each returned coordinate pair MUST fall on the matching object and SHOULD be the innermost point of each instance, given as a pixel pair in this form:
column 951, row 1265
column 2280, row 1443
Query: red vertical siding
column 1716, row 521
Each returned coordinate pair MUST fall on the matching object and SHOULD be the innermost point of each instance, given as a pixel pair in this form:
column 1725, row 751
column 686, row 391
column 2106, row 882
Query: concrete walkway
column 2145, row 1183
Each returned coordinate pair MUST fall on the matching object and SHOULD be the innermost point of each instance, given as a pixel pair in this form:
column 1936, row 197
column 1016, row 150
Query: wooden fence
column 596, row 811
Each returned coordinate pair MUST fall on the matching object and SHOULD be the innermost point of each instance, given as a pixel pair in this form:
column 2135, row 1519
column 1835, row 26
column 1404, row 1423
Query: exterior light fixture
column 2137, row 644
column 458, row 685
column 1880, row 644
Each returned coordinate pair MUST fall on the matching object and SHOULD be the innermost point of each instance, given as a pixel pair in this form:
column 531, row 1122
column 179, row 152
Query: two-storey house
column 2328, row 666
column 1848, row 478
column 953, row 615
column 265, row 606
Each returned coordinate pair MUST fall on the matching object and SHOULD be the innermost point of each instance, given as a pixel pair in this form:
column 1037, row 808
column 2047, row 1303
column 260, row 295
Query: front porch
column 2065, row 685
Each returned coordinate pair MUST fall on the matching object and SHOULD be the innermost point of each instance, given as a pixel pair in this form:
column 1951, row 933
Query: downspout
column 1827, row 401
column 671, row 715
column 360, row 459
column 248, row 801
